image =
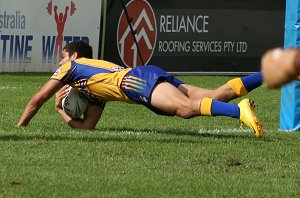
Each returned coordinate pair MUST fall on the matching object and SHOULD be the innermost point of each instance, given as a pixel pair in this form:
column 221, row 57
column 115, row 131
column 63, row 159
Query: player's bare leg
column 224, row 93
column 169, row 99
column 234, row 88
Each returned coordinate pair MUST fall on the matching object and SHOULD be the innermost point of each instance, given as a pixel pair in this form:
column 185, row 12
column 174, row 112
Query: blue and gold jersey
column 99, row 80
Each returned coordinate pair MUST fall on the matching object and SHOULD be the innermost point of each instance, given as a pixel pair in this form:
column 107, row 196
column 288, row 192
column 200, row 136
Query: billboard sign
column 194, row 36
column 34, row 32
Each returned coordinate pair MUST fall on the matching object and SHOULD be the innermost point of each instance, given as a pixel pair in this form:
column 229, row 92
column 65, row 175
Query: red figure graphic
column 60, row 24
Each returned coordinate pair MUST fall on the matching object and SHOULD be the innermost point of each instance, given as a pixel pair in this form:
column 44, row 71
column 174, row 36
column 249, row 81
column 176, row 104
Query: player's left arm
column 92, row 116
column 38, row 100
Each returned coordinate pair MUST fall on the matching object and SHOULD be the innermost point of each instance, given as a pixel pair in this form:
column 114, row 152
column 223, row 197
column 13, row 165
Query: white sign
column 33, row 32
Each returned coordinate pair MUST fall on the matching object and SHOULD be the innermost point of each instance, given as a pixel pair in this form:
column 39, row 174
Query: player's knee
column 185, row 113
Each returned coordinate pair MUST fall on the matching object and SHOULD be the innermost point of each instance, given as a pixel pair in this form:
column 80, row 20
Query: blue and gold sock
column 252, row 81
column 211, row 107
column 241, row 86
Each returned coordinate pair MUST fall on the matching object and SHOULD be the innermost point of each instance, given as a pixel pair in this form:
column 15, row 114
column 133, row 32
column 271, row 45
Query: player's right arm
column 91, row 116
column 38, row 100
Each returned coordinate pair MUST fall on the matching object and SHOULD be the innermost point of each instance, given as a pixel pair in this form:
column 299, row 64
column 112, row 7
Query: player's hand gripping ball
column 75, row 103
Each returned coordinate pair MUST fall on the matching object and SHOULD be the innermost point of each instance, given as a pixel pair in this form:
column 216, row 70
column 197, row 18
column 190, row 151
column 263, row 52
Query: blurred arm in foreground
column 280, row 66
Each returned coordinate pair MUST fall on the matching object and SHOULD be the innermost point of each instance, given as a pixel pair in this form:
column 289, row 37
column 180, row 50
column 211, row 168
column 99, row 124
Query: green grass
column 135, row 153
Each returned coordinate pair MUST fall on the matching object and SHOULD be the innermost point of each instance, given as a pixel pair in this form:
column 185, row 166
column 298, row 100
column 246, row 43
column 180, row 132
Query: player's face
column 65, row 57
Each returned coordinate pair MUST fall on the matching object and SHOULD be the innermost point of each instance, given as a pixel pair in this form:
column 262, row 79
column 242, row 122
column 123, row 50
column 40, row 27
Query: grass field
column 135, row 153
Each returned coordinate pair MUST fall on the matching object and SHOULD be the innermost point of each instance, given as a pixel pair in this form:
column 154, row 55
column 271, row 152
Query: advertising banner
column 194, row 36
column 33, row 33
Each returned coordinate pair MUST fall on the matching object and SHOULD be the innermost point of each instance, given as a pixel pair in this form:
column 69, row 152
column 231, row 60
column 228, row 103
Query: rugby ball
column 75, row 103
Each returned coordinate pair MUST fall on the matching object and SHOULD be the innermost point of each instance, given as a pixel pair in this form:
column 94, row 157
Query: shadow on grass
column 113, row 135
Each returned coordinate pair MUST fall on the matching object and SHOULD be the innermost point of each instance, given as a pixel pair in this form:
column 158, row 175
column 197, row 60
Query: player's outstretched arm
column 280, row 66
column 91, row 116
column 38, row 100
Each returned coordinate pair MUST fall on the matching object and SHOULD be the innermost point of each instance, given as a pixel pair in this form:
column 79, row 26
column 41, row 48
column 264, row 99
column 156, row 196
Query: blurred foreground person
column 280, row 66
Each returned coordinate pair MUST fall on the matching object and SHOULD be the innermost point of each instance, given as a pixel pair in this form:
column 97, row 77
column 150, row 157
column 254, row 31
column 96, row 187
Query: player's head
column 74, row 50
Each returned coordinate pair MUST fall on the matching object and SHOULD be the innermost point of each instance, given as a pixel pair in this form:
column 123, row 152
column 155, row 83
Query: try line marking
column 224, row 130
column 201, row 131
column 8, row 87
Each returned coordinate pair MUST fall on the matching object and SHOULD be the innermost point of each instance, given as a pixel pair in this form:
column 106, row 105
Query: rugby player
column 162, row 93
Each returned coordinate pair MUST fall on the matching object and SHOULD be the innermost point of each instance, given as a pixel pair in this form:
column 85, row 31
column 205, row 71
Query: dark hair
column 82, row 48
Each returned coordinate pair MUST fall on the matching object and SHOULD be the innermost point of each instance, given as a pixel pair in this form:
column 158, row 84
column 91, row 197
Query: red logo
column 60, row 19
column 144, row 24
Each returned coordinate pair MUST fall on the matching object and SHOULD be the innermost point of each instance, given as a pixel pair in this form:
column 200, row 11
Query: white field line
column 8, row 87
column 224, row 130
column 201, row 131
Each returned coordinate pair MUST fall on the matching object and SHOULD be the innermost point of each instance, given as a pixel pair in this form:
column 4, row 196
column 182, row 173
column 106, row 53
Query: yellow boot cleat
column 247, row 116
